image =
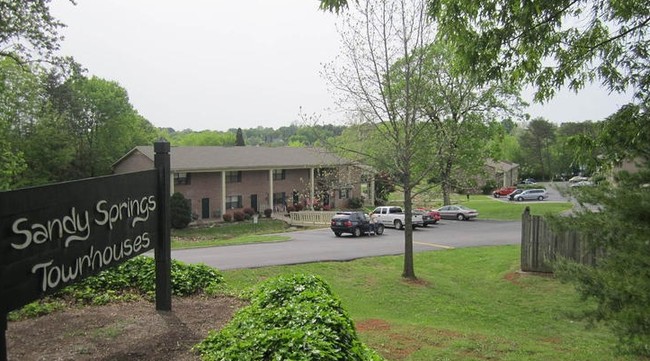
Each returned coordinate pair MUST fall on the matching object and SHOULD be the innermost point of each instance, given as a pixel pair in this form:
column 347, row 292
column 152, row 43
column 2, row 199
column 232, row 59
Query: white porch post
column 223, row 192
column 311, row 187
column 271, row 188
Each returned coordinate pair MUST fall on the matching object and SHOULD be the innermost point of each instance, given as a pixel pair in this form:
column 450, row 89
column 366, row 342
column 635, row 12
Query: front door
column 254, row 202
column 205, row 208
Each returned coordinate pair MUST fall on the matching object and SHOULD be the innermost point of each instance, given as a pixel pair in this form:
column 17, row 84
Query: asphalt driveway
column 321, row 245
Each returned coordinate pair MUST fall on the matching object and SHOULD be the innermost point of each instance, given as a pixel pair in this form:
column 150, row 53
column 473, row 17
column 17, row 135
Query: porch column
column 311, row 187
column 223, row 192
column 271, row 188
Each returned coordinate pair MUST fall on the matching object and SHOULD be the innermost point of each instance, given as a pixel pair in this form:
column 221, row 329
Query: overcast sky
column 215, row 64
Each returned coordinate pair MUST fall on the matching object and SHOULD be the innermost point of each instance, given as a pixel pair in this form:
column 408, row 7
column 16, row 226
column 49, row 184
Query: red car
column 503, row 191
column 433, row 216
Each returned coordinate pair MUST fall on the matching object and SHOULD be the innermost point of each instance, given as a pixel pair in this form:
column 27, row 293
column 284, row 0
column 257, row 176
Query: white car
column 583, row 183
column 577, row 179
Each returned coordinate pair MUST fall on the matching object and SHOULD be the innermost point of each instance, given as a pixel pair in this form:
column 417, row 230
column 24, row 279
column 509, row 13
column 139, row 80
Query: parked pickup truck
column 394, row 217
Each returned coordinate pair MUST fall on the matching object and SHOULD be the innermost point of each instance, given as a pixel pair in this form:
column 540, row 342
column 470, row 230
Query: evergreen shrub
column 290, row 318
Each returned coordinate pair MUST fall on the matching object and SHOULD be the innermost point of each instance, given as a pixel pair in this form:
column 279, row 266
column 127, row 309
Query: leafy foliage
column 536, row 141
column 27, row 29
column 620, row 282
column 355, row 203
column 551, row 44
column 181, row 212
column 290, row 318
column 137, row 276
column 62, row 125
column 131, row 279
column 618, row 231
column 238, row 216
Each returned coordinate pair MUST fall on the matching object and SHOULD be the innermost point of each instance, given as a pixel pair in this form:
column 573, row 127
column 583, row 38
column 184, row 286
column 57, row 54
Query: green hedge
column 132, row 279
column 290, row 318
column 138, row 276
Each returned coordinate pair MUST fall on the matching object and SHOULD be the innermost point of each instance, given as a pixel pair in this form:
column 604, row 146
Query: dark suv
column 356, row 223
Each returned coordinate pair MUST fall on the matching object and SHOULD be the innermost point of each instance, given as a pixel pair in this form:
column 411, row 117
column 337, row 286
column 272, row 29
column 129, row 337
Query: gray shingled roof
column 243, row 158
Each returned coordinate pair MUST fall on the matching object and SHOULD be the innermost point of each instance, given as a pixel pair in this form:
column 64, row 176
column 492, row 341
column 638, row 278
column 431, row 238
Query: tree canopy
column 553, row 43
column 550, row 44
column 28, row 29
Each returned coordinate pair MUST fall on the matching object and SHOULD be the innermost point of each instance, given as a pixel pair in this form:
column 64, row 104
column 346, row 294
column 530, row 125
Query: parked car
column 458, row 212
column 577, row 179
column 582, row 183
column 355, row 223
column 428, row 216
column 503, row 191
column 532, row 194
column 392, row 216
column 511, row 196
column 529, row 181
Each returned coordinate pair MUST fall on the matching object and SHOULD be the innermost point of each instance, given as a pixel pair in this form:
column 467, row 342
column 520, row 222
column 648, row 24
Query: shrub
column 238, row 216
column 268, row 212
column 279, row 325
column 355, row 202
column 490, row 185
column 137, row 277
column 227, row 217
column 290, row 209
column 181, row 213
column 249, row 211
column 298, row 206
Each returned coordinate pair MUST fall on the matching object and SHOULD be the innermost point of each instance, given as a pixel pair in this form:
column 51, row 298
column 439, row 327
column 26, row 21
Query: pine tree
column 240, row 138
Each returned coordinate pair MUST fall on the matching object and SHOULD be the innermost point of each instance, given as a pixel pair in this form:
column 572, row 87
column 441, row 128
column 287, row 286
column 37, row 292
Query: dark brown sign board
column 55, row 235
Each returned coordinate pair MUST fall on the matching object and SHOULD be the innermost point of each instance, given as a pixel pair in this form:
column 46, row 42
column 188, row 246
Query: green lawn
column 488, row 206
column 468, row 304
column 224, row 234
column 491, row 208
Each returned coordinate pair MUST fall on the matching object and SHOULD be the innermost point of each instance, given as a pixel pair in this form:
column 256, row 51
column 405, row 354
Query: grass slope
column 491, row 208
column 468, row 304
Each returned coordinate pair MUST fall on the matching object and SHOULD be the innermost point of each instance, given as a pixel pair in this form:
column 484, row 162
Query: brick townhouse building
column 222, row 179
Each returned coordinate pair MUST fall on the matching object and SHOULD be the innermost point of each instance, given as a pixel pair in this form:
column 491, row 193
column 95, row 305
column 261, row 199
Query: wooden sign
column 53, row 236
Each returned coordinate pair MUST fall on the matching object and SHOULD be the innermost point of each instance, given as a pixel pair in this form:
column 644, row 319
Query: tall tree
column 536, row 142
column 19, row 102
column 385, row 98
column 459, row 108
column 101, row 123
column 239, row 138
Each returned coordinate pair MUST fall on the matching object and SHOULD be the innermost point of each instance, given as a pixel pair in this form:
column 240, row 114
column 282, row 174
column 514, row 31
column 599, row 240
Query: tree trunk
column 446, row 183
column 409, row 269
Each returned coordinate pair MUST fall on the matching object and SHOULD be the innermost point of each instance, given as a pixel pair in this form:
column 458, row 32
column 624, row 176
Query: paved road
column 322, row 245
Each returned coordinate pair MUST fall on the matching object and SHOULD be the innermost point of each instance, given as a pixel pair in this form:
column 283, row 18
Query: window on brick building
column 181, row 178
column 344, row 193
column 233, row 177
column 234, row 202
column 279, row 174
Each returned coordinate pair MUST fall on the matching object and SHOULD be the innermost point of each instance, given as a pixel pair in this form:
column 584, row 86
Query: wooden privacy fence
column 311, row 218
column 541, row 245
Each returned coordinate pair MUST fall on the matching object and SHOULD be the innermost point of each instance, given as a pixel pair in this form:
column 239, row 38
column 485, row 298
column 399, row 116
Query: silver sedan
column 458, row 212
